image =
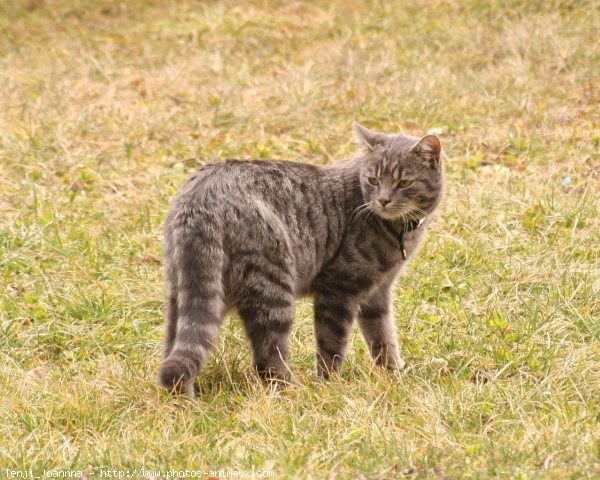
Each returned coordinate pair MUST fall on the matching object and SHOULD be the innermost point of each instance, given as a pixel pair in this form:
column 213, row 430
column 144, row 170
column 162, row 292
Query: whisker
column 358, row 211
column 420, row 210
column 362, row 211
column 415, row 212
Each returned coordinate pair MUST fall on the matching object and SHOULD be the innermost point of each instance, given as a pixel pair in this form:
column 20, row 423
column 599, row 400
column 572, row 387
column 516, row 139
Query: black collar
column 408, row 227
column 392, row 230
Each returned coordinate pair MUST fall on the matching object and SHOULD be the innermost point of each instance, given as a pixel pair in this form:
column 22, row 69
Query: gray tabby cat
column 255, row 235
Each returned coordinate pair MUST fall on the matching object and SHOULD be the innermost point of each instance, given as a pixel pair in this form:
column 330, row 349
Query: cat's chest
column 364, row 261
column 377, row 253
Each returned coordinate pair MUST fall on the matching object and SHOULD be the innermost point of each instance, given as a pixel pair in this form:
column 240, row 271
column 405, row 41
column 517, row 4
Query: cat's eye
column 373, row 181
column 405, row 183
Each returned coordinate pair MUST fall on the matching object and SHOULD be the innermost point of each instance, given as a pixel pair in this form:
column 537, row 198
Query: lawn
column 107, row 106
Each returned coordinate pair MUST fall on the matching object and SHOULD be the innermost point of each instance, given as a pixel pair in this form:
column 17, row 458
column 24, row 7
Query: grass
column 107, row 106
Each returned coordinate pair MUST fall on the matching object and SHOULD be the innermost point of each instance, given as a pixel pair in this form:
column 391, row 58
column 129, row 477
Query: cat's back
column 217, row 188
column 266, row 176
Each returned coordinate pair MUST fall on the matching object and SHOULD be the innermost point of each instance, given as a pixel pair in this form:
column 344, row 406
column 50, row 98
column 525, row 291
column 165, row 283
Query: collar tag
column 409, row 227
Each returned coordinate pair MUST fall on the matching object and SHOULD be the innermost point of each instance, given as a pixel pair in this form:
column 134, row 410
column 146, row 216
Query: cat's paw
column 387, row 356
column 397, row 364
column 330, row 368
column 176, row 375
column 275, row 376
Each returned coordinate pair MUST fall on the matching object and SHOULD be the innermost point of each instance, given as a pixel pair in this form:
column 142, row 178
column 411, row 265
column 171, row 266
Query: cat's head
column 401, row 176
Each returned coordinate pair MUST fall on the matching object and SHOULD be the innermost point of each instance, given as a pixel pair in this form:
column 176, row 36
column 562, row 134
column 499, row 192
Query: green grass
column 106, row 107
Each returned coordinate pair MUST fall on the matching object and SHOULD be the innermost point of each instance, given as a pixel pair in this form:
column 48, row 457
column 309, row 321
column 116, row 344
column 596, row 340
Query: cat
column 255, row 235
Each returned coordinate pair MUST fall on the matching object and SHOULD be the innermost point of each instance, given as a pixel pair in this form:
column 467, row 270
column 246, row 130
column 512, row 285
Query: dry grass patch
column 106, row 107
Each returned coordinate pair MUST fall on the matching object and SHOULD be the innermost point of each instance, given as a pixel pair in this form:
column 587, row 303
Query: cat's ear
column 366, row 138
column 429, row 149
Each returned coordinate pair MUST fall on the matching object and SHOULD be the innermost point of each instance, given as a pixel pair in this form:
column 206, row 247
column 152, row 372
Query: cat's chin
column 387, row 215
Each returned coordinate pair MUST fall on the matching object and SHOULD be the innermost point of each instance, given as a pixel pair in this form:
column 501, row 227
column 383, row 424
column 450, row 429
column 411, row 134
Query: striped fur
column 255, row 235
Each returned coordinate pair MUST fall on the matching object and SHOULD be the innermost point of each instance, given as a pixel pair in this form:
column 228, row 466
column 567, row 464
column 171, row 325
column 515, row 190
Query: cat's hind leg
column 376, row 321
column 267, row 310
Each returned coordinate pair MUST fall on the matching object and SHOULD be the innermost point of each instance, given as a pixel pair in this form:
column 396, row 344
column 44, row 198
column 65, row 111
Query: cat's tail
column 199, row 311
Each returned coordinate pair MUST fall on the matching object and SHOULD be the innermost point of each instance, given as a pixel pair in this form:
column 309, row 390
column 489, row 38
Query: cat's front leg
column 334, row 315
column 376, row 321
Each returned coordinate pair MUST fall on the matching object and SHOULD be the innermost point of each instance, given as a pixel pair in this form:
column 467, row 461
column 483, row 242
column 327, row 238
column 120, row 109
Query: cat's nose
column 383, row 201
